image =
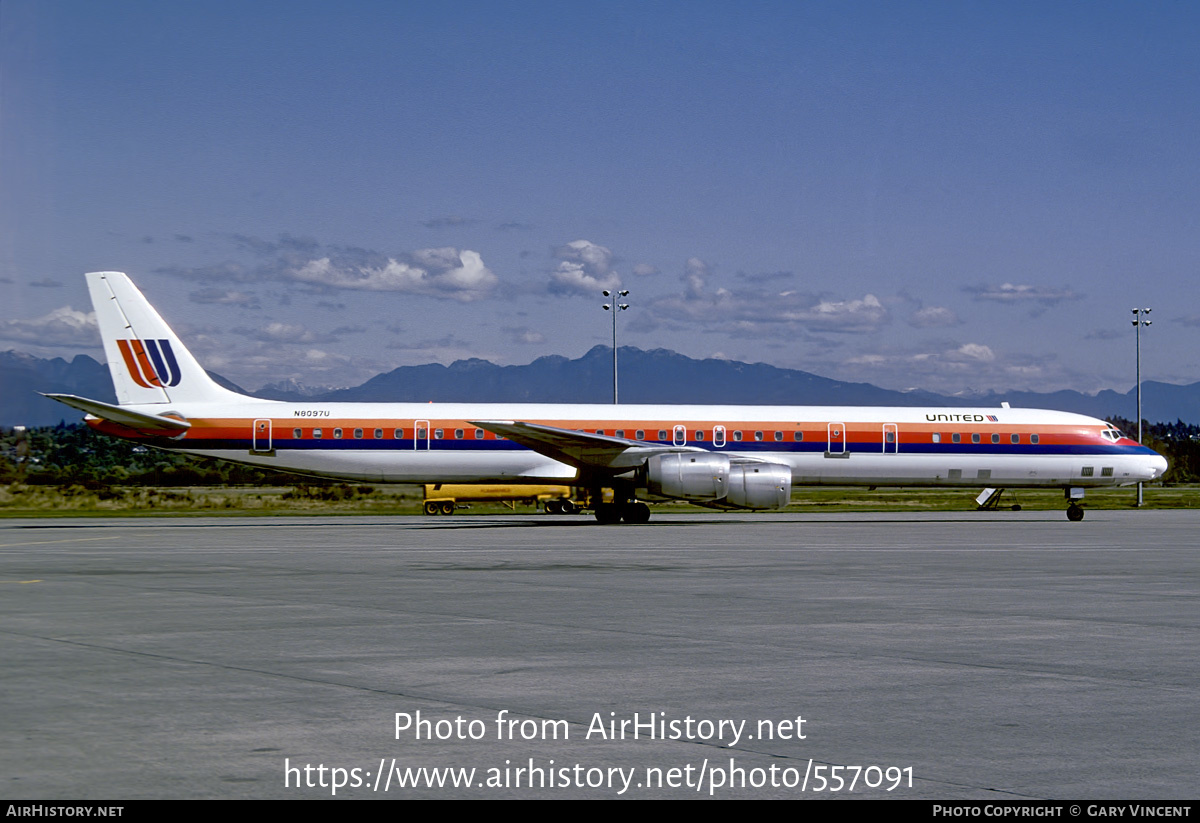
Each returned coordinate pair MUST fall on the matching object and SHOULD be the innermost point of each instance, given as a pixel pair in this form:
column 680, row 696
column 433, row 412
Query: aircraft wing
column 583, row 450
column 122, row 416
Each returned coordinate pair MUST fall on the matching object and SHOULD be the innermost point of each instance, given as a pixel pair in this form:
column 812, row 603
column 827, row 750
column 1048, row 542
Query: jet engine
column 712, row 478
column 688, row 476
column 759, row 485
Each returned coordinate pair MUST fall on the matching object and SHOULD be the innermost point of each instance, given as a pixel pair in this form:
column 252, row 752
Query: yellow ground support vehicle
column 444, row 498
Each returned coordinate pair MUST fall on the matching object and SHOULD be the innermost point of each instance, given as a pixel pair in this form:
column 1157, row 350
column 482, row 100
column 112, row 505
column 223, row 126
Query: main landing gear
column 631, row 512
column 624, row 505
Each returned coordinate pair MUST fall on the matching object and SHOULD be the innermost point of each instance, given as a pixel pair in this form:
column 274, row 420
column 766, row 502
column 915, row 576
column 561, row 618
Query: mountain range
column 656, row 376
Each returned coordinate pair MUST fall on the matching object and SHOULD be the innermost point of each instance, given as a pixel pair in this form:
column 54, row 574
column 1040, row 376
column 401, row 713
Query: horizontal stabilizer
column 122, row 416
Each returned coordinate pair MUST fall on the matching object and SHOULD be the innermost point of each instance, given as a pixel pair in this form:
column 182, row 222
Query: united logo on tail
column 151, row 363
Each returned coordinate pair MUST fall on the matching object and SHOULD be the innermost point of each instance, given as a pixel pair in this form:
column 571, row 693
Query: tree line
column 74, row 454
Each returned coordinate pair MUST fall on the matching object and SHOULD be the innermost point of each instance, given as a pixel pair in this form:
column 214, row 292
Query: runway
column 990, row 656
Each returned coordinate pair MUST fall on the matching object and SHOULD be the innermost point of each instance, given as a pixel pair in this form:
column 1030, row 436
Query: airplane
column 726, row 457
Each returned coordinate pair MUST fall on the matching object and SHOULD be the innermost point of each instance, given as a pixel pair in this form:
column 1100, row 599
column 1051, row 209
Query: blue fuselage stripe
column 766, row 447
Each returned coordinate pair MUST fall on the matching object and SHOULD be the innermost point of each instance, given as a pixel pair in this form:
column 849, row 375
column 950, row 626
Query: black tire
column 607, row 514
column 568, row 507
column 636, row 513
column 1074, row 513
column 431, row 507
column 448, row 507
column 553, row 507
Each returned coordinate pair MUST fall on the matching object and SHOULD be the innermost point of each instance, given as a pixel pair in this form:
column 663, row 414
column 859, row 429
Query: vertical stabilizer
column 147, row 362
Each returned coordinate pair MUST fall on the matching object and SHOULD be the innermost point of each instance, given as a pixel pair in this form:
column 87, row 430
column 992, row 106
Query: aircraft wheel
column 1074, row 513
column 607, row 514
column 636, row 513
column 553, row 507
column 448, row 508
column 431, row 508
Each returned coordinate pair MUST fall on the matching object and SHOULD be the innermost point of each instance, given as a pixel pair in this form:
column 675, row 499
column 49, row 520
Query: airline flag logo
column 151, row 363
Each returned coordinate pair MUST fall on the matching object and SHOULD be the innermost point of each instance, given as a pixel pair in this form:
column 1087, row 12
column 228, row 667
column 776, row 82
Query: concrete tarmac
column 989, row 656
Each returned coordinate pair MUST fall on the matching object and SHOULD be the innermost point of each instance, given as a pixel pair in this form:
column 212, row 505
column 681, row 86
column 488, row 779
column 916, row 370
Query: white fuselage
column 439, row 443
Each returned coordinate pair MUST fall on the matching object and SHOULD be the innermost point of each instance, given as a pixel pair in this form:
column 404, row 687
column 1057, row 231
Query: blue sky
column 953, row 196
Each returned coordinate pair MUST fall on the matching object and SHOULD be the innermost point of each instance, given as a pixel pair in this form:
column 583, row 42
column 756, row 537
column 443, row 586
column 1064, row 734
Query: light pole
column 614, row 308
column 1138, row 321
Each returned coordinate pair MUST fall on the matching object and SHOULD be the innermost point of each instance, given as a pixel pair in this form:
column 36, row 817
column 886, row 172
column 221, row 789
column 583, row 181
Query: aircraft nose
column 1158, row 466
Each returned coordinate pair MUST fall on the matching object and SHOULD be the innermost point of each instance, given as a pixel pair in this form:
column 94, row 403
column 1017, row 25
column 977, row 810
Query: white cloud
column 223, row 297
column 872, row 360
column 447, row 273
column 61, row 327
column 695, row 278
column 584, row 267
column 525, row 335
column 755, row 311
column 932, row 317
column 324, row 360
column 866, row 314
column 975, row 352
column 953, row 366
column 264, row 362
column 1021, row 293
column 752, row 313
column 284, row 333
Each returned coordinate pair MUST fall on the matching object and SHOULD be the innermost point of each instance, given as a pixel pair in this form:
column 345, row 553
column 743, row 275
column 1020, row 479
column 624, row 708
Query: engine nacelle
column 688, row 476
column 759, row 485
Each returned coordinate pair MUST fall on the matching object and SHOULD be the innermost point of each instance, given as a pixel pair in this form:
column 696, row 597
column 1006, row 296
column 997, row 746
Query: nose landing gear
column 1074, row 510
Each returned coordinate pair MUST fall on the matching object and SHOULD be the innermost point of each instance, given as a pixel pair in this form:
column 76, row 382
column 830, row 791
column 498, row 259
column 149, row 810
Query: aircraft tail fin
column 148, row 363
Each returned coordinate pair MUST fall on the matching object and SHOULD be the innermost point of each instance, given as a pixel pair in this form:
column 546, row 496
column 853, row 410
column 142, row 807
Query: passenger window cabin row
column 664, row 435
column 976, row 437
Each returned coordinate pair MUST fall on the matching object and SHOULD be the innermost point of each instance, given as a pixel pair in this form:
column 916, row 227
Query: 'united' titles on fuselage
column 734, row 456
